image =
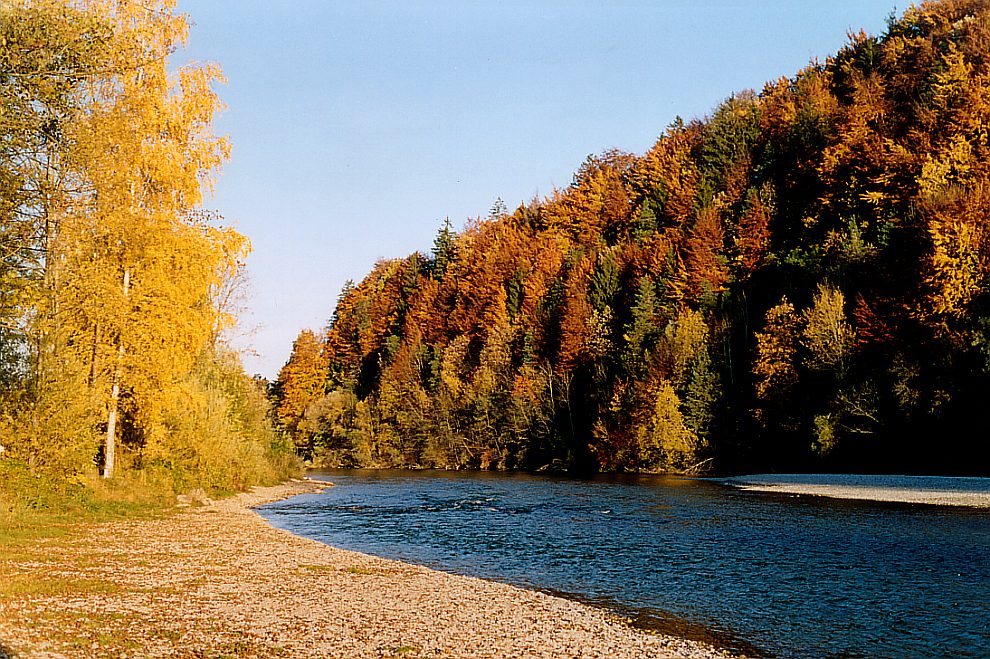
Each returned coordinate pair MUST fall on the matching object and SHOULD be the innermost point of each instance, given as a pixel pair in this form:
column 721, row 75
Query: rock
column 197, row 497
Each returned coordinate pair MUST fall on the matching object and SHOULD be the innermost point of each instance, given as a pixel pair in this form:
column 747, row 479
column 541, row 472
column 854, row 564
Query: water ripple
column 790, row 576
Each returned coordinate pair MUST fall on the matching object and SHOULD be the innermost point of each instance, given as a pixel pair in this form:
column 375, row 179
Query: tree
column 300, row 383
column 144, row 264
column 608, row 319
column 958, row 266
column 47, row 50
column 109, row 267
column 775, row 367
column 641, row 332
column 705, row 261
column 684, row 347
column 753, row 233
column 444, row 250
column 826, row 334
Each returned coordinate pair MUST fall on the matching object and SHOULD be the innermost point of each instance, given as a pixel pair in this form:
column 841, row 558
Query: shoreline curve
column 219, row 580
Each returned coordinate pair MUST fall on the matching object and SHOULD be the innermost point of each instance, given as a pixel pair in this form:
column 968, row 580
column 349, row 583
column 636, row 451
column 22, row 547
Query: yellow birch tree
column 140, row 264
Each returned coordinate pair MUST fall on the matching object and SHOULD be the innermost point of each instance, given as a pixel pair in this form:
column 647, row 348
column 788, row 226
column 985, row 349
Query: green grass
column 373, row 571
column 314, row 567
column 36, row 507
column 30, row 585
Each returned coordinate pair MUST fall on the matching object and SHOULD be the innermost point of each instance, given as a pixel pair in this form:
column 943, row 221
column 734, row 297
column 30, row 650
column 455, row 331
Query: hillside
column 798, row 281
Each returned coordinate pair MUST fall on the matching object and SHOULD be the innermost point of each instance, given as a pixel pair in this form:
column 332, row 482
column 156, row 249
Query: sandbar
column 871, row 493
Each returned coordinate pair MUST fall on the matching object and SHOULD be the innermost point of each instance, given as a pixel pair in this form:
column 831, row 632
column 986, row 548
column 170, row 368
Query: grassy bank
column 41, row 517
column 36, row 506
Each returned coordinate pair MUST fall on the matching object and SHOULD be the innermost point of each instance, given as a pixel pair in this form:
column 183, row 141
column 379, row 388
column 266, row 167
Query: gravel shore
column 218, row 581
column 866, row 493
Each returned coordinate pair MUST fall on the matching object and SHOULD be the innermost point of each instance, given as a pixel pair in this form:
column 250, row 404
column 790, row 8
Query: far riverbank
column 930, row 490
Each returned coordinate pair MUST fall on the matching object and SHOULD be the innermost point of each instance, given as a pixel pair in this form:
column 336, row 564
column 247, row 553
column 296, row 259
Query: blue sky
column 357, row 127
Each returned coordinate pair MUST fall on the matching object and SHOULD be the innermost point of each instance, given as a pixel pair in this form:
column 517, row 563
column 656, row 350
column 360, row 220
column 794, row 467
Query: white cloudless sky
column 358, row 126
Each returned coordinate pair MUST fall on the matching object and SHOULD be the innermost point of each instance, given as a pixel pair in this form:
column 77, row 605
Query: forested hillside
column 113, row 280
column 798, row 281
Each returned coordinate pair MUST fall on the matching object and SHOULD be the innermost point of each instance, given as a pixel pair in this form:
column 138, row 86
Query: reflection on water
column 792, row 576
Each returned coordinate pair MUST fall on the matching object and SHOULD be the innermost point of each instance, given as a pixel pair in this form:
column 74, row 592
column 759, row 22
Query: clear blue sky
column 358, row 126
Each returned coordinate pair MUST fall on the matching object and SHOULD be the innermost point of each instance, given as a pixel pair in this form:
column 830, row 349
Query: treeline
column 799, row 281
column 113, row 280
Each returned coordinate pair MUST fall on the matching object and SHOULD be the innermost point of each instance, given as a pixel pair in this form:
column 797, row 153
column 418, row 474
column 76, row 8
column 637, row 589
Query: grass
column 318, row 568
column 242, row 645
column 96, row 633
column 40, row 516
column 372, row 571
column 36, row 508
column 20, row 585
column 353, row 569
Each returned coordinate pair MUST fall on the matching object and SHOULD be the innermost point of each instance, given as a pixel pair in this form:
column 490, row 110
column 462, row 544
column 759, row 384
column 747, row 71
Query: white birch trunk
column 110, row 449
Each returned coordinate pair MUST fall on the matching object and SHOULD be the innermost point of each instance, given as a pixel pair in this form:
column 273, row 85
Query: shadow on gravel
column 652, row 620
column 5, row 652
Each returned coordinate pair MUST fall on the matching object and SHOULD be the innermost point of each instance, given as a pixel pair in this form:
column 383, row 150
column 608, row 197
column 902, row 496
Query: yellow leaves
column 144, row 152
column 950, row 81
column 776, row 347
column 663, row 440
column 495, row 361
column 599, row 342
column 827, row 335
column 454, row 369
column 131, row 267
column 779, row 109
column 959, row 258
column 684, row 339
column 873, row 197
column 302, row 380
column 953, row 165
column 668, row 173
column 598, row 199
column 956, row 263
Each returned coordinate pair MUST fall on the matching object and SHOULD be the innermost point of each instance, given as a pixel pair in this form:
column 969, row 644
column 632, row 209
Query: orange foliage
column 704, row 255
column 668, row 174
column 872, row 327
column 302, row 379
column 597, row 204
column 575, row 319
column 752, row 236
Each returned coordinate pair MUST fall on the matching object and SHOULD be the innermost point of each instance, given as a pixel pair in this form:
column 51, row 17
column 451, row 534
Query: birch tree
column 139, row 262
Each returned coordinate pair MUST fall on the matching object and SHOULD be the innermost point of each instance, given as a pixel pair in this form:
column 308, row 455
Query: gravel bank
column 217, row 580
column 864, row 493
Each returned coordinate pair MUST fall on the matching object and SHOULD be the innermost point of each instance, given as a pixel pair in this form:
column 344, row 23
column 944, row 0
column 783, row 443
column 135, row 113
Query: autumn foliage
column 113, row 279
column 799, row 280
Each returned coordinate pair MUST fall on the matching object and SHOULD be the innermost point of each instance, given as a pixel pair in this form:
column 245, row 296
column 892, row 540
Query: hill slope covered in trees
column 799, row 281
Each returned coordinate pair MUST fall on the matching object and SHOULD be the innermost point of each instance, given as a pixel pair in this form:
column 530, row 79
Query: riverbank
column 867, row 489
column 217, row 580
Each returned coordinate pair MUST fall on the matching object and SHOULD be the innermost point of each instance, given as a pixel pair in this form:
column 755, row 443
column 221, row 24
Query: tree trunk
column 110, row 449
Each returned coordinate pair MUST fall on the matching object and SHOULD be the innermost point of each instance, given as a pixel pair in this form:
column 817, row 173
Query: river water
column 770, row 574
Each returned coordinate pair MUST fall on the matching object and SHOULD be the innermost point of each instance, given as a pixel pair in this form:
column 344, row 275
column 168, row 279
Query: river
column 765, row 573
